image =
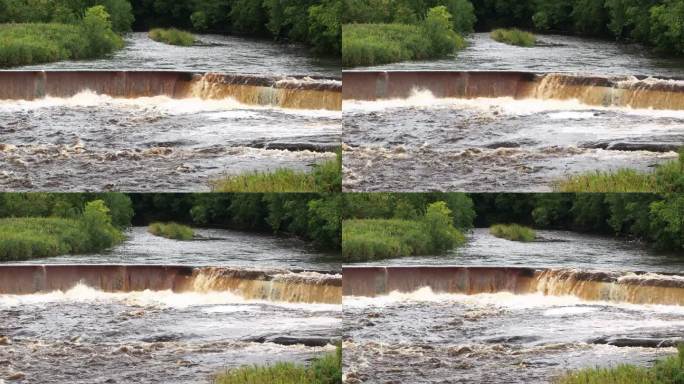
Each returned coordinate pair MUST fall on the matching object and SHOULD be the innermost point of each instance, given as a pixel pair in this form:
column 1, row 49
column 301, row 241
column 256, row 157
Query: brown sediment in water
column 617, row 91
column 285, row 92
column 636, row 288
column 273, row 285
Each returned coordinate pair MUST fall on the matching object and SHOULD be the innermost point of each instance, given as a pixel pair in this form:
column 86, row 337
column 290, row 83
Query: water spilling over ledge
column 635, row 288
column 271, row 285
column 607, row 91
column 286, row 92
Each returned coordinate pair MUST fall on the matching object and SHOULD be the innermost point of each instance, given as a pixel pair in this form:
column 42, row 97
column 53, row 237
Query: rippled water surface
column 497, row 144
column 212, row 53
column 95, row 142
column 211, row 247
column 553, row 53
column 88, row 336
column 423, row 337
column 552, row 249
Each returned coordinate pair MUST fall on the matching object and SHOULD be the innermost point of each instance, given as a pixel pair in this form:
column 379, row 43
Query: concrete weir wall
column 287, row 92
column 275, row 285
column 606, row 91
column 636, row 288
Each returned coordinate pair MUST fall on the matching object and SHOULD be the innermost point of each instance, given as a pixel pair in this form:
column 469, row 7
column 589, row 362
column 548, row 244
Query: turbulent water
column 551, row 249
column 496, row 144
column 88, row 336
column 553, row 53
column 211, row 247
column 95, row 142
column 423, row 337
column 211, row 53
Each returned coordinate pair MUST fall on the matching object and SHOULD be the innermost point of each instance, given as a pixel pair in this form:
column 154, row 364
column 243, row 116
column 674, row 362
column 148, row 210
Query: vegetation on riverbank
column 379, row 43
column 34, row 43
column 373, row 239
column 323, row 178
column 172, row 36
column 23, row 238
column 171, row 231
column 513, row 232
column 514, row 36
column 322, row 370
column 667, row 178
column 666, row 371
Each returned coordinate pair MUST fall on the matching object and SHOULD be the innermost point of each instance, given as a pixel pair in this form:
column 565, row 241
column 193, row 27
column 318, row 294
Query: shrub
column 171, row 231
column 172, row 36
column 513, row 232
column 514, row 37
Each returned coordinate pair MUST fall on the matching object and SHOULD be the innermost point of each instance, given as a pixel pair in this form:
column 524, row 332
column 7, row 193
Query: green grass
column 666, row 371
column 514, row 37
column 667, row 178
column 373, row 44
column 374, row 239
column 171, row 231
column 325, row 177
column 322, row 370
column 35, row 43
column 513, row 232
column 37, row 237
column 172, row 36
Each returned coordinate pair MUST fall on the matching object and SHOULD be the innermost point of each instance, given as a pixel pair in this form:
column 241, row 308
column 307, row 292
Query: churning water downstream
column 553, row 53
column 482, row 131
column 159, row 324
column 156, row 131
column 215, row 53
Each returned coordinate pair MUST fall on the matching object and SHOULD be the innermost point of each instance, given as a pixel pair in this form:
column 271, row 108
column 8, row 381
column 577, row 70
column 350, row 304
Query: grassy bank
column 37, row 237
column 172, row 36
column 514, row 37
column 376, row 43
column 322, row 370
column 35, row 43
column 373, row 239
column 513, row 232
column 325, row 177
column 668, row 177
column 171, row 231
column 667, row 371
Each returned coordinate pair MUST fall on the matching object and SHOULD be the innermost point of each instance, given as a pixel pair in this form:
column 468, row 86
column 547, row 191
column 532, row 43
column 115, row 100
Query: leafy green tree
column 438, row 26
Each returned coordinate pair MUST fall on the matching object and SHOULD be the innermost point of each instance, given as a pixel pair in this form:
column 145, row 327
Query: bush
column 38, row 237
column 514, row 37
column 372, row 239
column 171, row 231
column 172, row 36
column 322, row 370
column 513, row 232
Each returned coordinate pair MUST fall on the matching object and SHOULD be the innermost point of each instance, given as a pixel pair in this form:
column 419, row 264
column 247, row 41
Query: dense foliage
column 31, row 43
column 65, row 12
column 171, row 231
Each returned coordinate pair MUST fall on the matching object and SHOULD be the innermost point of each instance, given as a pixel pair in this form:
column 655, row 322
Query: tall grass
column 373, row 239
column 37, row 237
column 171, row 231
column 323, row 370
column 667, row 178
column 513, row 232
column 514, row 37
column 34, row 43
column 667, row 371
column 172, row 36
column 325, row 177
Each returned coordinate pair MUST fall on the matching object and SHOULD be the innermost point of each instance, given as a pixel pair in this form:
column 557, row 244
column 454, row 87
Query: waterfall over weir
column 607, row 91
column 285, row 92
column 636, row 288
column 270, row 285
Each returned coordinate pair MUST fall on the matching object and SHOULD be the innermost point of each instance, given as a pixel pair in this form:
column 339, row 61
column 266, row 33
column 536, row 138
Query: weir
column 272, row 285
column 285, row 92
column 607, row 91
column 636, row 288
